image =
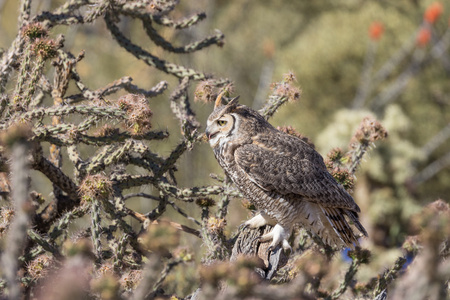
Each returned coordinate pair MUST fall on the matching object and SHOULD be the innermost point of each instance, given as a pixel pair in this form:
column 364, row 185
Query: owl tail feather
column 355, row 220
column 337, row 220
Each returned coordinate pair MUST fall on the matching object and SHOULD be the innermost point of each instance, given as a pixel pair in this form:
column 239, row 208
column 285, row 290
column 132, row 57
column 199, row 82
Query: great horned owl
column 283, row 176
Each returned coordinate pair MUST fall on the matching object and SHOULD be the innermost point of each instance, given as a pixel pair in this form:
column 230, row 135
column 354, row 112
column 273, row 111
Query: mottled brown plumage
column 283, row 176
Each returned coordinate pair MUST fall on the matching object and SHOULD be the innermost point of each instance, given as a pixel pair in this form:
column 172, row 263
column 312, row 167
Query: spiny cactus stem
column 120, row 251
column 389, row 275
column 96, row 229
column 30, row 255
column 64, row 221
column 97, row 162
column 185, row 23
column 357, row 156
column 3, row 103
column 186, row 194
column 18, row 230
column 34, row 78
column 160, row 209
column 224, row 201
column 66, row 110
column 172, row 159
column 195, row 46
column 8, row 59
column 347, row 279
column 71, row 5
column 119, row 153
column 115, row 86
column 154, row 91
column 148, row 58
column 56, row 176
column 23, row 74
column 75, row 158
column 272, row 105
column 49, row 134
column 44, row 243
column 25, row 10
column 98, row 11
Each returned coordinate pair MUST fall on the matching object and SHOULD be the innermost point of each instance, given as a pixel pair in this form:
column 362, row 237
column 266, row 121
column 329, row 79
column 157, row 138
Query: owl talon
column 278, row 236
column 286, row 247
column 284, row 244
column 243, row 226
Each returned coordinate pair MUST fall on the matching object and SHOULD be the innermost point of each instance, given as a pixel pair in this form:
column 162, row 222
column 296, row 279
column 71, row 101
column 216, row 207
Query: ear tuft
column 233, row 101
column 219, row 100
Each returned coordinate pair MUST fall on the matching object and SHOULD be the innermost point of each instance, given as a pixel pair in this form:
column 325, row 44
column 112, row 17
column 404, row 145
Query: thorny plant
column 428, row 45
column 110, row 259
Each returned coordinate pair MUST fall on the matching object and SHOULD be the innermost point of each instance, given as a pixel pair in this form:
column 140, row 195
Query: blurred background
column 357, row 58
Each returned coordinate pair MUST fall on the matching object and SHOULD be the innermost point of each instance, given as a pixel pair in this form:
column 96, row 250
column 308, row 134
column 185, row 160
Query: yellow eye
column 221, row 122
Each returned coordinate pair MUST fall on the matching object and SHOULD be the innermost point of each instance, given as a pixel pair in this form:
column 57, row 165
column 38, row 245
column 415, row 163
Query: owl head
column 232, row 121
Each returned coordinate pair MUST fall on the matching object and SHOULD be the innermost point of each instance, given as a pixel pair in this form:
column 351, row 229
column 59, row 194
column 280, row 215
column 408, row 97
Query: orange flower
column 433, row 12
column 376, row 30
column 423, row 37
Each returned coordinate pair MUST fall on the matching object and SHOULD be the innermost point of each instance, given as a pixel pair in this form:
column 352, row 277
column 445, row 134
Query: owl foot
column 259, row 220
column 278, row 236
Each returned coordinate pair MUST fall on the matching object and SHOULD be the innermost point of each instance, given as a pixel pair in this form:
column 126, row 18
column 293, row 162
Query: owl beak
column 210, row 135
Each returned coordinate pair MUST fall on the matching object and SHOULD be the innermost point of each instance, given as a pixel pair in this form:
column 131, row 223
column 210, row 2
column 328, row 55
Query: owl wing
column 288, row 165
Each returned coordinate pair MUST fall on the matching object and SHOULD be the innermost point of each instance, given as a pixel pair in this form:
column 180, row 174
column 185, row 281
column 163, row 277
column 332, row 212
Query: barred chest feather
column 283, row 209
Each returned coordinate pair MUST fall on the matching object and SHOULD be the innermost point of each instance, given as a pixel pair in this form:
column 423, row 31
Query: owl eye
column 221, row 122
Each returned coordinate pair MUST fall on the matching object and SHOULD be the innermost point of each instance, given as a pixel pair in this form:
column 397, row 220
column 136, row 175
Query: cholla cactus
column 138, row 111
column 98, row 184
column 6, row 216
column 100, row 147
